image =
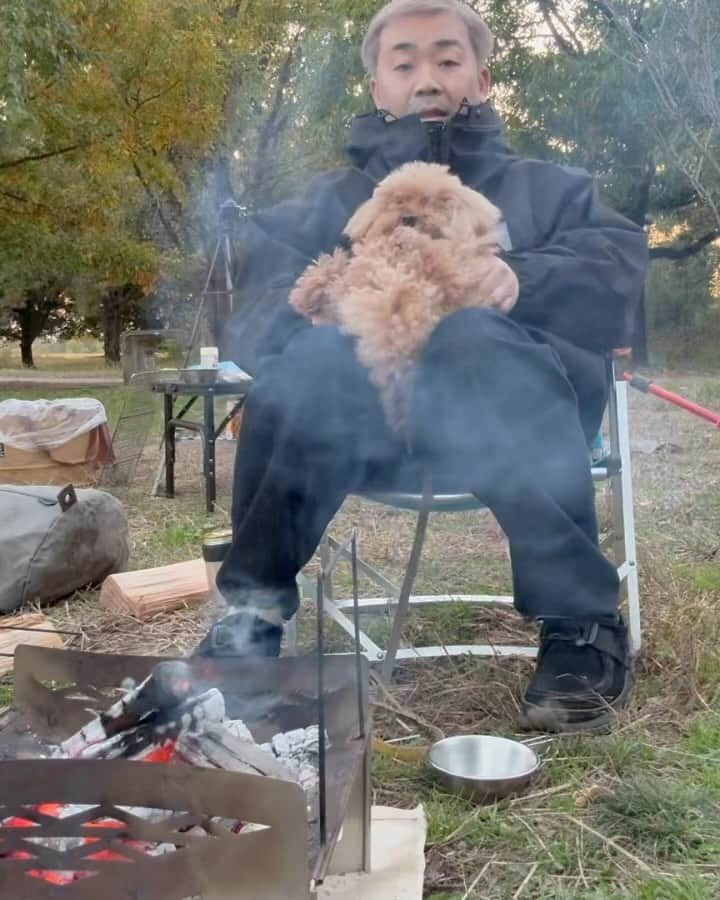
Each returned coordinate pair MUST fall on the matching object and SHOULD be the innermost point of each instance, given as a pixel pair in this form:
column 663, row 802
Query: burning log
column 148, row 592
column 160, row 720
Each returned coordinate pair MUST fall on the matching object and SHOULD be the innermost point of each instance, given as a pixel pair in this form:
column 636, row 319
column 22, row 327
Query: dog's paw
column 313, row 295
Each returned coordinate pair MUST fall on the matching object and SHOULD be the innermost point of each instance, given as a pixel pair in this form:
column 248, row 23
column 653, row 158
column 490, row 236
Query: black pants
column 494, row 414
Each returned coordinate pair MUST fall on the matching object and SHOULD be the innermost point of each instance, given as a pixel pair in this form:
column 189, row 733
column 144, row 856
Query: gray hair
column 481, row 38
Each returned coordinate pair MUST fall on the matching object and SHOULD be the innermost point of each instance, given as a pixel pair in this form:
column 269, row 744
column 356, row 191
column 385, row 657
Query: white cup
column 209, row 357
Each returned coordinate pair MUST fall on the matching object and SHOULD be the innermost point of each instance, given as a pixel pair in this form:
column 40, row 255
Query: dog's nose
column 410, row 221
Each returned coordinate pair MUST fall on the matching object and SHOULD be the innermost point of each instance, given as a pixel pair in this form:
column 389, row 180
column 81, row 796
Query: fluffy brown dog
column 420, row 247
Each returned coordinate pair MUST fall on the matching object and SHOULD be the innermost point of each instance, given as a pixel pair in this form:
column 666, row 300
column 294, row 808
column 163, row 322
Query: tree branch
column 568, row 45
column 604, row 9
column 169, row 229
column 273, row 124
column 145, row 100
column 36, row 157
column 676, row 253
column 18, row 197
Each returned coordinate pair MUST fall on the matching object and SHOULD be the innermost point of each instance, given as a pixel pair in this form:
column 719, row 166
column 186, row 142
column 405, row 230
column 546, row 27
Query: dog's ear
column 482, row 215
column 362, row 219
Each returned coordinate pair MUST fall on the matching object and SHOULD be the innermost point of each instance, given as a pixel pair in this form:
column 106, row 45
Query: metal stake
column 322, row 784
column 356, row 620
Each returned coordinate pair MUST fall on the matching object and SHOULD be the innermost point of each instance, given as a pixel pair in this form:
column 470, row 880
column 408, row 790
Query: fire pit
column 85, row 816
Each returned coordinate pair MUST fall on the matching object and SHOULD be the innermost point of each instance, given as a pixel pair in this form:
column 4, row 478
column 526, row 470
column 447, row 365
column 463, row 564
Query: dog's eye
column 410, row 221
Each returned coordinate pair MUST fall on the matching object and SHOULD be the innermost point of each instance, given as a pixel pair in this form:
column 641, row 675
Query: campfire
column 211, row 778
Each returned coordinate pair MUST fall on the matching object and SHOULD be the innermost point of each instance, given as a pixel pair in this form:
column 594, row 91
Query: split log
column 148, row 592
column 32, row 628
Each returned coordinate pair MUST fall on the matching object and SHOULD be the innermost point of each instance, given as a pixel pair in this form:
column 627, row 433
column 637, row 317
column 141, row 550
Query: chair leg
column 623, row 495
column 327, row 569
column 618, row 527
column 403, row 604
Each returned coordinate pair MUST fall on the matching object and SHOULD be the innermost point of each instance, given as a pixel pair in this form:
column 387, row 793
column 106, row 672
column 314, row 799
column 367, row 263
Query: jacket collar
column 379, row 143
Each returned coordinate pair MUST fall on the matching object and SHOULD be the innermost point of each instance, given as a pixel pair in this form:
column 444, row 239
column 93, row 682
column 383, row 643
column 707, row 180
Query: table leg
column 231, row 415
column 209, row 452
column 169, row 446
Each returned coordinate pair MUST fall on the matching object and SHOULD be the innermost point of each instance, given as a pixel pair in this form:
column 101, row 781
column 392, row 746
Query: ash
column 196, row 735
column 297, row 751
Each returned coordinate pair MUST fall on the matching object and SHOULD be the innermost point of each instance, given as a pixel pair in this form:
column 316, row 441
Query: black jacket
column 581, row 265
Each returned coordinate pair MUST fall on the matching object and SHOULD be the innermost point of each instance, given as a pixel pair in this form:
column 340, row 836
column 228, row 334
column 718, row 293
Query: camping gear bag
column 54, row 542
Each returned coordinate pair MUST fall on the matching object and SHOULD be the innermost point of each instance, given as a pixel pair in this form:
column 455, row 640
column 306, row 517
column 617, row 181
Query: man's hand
column 499, row 288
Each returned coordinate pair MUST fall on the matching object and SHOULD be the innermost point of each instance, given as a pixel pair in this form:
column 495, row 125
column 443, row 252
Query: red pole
column 648, row 387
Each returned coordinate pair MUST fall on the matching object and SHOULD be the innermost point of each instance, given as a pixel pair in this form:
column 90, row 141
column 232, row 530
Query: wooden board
column 148, row 592
column 23, row 629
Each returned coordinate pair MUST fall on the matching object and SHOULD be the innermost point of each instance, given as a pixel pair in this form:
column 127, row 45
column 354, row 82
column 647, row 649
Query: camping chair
column 611, row 465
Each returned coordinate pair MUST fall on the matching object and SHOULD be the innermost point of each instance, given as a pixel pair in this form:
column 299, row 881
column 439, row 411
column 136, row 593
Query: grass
column 632, row 815
column 6, row 690
column 663, row 817
column 626, row 819
column 75, row 359
column 709, row 395
column 703, row 577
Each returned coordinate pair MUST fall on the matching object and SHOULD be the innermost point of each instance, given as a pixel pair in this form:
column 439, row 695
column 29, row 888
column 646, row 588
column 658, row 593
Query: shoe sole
column 556, row 719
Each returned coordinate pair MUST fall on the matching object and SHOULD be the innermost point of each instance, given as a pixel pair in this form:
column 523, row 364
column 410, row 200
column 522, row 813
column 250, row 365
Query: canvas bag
column 54, row 542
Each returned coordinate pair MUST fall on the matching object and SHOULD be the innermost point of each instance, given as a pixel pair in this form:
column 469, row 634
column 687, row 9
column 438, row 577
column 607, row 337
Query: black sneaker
column 241, row 633
column 583, row 677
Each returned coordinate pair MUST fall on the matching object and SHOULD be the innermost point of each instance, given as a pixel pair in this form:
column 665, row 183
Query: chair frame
column 614, row 467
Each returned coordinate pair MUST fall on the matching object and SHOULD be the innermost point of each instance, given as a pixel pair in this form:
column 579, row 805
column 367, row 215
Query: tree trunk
column 112, row 325
column 32, row 319
column 639, row 204
column 640, row 353
column 26, row 345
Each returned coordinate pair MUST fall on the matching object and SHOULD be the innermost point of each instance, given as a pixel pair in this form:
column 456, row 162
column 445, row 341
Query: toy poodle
column 414, row 253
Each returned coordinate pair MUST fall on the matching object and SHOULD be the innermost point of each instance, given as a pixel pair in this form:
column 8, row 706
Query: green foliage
column 36, row 40
column 125, row 123
column 684, row 310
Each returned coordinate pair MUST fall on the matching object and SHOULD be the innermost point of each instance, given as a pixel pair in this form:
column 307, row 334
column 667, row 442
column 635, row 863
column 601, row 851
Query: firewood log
column 147, row 592
column 25, row 629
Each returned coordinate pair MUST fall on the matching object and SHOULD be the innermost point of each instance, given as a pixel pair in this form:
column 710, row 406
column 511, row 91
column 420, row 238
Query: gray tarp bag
column 54, row 542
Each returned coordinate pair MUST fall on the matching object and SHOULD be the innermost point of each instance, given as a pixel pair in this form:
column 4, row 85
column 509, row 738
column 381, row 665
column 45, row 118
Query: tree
column 42, row 310
column 572, row 91
column 680, row 61
column 131, row 121
column 36, row 40
column 91, row 174
column 673, row 53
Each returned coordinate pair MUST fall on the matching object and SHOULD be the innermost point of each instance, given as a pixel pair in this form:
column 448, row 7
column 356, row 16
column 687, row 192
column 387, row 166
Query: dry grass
column 592, row 827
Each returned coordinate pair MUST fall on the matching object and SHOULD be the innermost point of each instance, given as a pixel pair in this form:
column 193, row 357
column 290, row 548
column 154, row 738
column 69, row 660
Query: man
column 506, row 400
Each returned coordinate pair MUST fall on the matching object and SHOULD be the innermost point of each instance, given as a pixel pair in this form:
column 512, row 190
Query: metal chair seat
column 414, row 502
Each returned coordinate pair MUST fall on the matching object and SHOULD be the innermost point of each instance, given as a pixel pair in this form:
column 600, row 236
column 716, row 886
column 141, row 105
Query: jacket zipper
column 439, row 143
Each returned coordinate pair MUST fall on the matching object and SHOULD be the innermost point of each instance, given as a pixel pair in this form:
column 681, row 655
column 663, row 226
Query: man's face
column 427, row 66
